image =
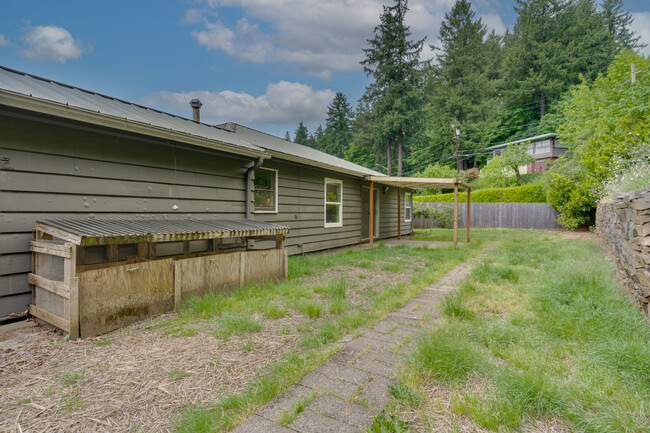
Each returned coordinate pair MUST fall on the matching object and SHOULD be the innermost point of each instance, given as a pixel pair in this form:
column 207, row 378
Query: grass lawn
column 538, row 338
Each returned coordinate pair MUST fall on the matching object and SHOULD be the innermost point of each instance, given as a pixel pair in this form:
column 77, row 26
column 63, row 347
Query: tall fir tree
column 393, row 60
column 463, row 85
column 338, row 130
column 301, row 135
column 287, row 136
column 618, row 22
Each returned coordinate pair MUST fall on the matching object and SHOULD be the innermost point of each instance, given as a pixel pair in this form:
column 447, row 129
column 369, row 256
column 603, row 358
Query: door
column 365, row 213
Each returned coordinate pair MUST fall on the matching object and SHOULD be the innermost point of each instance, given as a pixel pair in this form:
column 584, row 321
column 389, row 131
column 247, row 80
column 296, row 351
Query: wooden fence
column 487, row 215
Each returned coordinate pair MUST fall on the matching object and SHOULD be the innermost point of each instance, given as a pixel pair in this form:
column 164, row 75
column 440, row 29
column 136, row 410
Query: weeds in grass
column 71, row 400
column 564, row 343
column 387, row 423
column 403, row 393
column 298, row 407
column 176, row 374
column 70, row 376
column 248, row 346
column 236, row 324
column 311, row 309
column 103, row 341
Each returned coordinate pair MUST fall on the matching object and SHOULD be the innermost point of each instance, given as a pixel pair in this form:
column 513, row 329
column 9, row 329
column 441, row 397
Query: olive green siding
column 50, row 170
column 301, row 206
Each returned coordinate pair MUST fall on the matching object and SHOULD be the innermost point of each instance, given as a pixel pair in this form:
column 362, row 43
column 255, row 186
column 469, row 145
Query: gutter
column 247, row 180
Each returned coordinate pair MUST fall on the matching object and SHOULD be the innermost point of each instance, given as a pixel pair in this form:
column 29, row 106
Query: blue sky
column 267, row 64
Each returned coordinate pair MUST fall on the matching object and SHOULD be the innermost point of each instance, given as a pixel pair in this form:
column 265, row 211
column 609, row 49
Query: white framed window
column 333, row 203
column 265, row 190
column 408, row 207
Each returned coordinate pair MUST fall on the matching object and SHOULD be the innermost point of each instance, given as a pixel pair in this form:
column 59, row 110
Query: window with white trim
column 265, row 190
column 333, row 203
column 408, row 206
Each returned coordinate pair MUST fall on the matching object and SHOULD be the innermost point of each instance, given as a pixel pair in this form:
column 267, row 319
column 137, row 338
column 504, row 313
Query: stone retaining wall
column 624, row 225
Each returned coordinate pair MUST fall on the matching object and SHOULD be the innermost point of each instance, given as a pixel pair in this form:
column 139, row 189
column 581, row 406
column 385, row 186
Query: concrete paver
column 257, row 424
column 321, row 383
column 376, row 394
column 313, row 422
column 344, row 372
column 285, row 402
column 349, row 413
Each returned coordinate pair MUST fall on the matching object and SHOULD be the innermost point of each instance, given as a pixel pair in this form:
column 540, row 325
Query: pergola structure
column 417, row 183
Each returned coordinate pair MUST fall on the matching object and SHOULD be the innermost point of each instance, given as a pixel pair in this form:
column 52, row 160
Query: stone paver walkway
column 346, row 392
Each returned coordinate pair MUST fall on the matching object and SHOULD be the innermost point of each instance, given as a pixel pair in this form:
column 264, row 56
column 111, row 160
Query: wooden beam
column 56, row 287
column 70, row 277
column 399, row 212
column 371, row 223
column 279, row 241
column 49, row 248
column 455, row 215
column 469, row 191
column 50, row 318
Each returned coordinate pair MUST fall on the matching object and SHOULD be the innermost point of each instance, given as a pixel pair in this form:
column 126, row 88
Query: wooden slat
column 178, row 281
column 70, row 275
column 50, row 318
column 49, row 248
column 58, row 233
column 55, row 287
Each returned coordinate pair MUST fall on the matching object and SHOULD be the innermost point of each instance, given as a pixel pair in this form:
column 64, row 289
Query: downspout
column 247, row 181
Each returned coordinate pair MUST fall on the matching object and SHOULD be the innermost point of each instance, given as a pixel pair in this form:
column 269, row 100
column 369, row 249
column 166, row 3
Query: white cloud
column 320, row 36
column 283, row 103
column 493, row 22
column 641, row 27
column 51, row 44
column 4, row 41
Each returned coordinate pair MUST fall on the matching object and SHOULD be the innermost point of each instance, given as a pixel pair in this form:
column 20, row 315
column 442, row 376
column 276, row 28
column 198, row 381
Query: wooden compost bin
column 93, row 276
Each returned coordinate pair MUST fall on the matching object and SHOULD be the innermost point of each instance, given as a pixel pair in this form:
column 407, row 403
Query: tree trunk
column 399, row 155
column 389, row 158
column 516, row 169
column 542, row 104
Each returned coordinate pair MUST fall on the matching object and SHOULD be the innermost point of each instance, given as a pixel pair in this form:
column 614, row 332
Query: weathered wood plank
column 50, row 318
column 56, row 287
column 50, row 248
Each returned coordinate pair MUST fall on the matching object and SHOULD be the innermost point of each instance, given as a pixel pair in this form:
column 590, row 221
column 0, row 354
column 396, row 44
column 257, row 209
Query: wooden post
column 371, row 228
column 399, row 213
column 469, row 191
column 455, row 214
column 72, row 281
column 242, row 268
column 178, row 289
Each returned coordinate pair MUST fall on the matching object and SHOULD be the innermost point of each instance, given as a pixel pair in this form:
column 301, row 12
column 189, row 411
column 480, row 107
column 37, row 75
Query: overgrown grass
column 540, row 330
column 323, row 312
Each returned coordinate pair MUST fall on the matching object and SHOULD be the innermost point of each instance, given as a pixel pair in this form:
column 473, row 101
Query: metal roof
column 531, row 139
column 418, row 182
column 22, row 90
column 91, row 231
column 284, row 149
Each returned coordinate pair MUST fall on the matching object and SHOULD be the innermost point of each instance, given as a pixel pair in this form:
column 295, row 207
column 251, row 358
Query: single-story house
column 545, row 148
column 67, row 153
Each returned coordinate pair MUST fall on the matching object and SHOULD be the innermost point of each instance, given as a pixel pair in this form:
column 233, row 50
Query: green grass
column 70, row 376
column 323, row 311
column 545, row 330
column 298, row 407
column 236, row 324
column 176, row 374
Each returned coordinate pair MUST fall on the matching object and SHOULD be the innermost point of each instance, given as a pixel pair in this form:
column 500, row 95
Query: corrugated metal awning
column 91, row 231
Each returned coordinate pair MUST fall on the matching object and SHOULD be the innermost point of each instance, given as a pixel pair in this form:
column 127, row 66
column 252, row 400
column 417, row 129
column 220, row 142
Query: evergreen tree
column 338, row 131
column 365, row 150
column 393, row 60
column 319, row 133
column 463, row 85
column 287, row 136
column 301, row 135
column 618, row 24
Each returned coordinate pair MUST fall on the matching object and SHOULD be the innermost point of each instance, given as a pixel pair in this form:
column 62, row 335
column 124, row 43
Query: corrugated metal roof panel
column 91, row 231
column 43, row 89
column 279, row 147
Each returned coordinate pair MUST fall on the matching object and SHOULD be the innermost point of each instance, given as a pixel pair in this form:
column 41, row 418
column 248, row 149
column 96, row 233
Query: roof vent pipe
column 196, row 109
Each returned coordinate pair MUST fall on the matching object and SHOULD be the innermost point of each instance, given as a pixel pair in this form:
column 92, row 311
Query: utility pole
column 456, row 133
column 633, row 72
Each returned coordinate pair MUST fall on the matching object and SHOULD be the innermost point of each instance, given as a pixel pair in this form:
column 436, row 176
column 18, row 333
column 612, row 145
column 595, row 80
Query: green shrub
column 443, row 216
column 533, row 193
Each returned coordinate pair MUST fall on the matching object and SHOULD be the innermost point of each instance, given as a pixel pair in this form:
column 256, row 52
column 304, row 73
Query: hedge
column 515, row 194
